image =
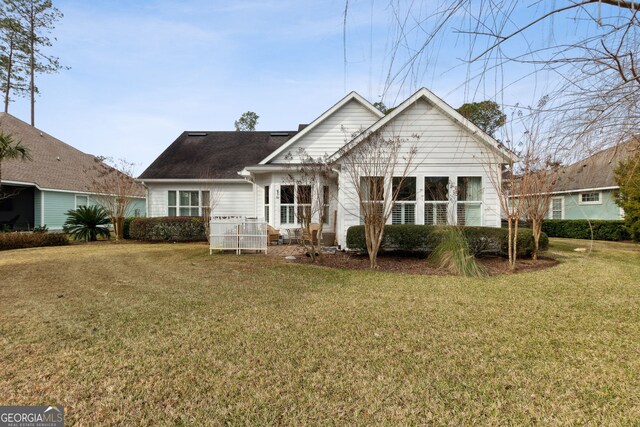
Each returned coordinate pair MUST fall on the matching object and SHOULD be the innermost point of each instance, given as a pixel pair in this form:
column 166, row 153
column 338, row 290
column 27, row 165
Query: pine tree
column 13, row 58
column 38, row 18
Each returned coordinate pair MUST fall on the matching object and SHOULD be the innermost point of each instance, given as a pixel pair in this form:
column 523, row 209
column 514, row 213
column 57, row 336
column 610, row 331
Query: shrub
column 41, row 229
column 87, row 223
column 127, row 226
column 424, row 239
column 31, row 240
column 168, row 229
column 579, row 229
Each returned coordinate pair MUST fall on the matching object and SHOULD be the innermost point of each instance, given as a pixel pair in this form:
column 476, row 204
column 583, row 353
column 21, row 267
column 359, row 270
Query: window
column 469, row 203
column 325, row 204
column 372, row 188
column 557, row 208
column 287, row 204
column 303, row 197
column 187, row 203
column 172, row 204
column 82, row 201
column 372, row 191
column 404, row 208
column 266, row 203
column 436, row 200
column 591, row 198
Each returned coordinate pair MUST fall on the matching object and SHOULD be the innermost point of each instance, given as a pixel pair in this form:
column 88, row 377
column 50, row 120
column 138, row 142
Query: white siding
column 332, row 133
column 444, row 148
column 275, row 181
column 230, row 198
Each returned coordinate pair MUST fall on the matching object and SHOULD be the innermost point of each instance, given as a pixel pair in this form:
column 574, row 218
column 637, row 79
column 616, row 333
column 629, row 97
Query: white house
column 248, row 171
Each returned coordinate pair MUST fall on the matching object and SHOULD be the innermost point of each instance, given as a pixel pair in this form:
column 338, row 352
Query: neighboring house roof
column 449, row 111
column 596, row 171
column 214, row 155
column 54, row 165
column 353, row 96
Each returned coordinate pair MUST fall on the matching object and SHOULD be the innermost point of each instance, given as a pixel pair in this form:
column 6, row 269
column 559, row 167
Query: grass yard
column 165, row 334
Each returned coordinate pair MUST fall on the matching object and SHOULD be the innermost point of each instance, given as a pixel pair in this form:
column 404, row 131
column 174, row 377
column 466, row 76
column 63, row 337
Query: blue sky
column 143, row 71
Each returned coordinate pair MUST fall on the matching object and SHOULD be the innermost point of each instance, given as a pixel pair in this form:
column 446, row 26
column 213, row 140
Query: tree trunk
column 32, row 65
column 7, row 90
column 373, row 238
column 515, row 244
column 510, row 242
column 119, row 228
column 536, row 227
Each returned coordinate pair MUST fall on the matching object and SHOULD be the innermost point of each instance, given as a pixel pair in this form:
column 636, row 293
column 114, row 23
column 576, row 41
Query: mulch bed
column 413, row 265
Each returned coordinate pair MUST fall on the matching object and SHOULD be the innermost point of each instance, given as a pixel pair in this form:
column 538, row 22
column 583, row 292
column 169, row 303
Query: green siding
column 608, row 209
column 139, row 204
column 56, row 204
column 37, row 207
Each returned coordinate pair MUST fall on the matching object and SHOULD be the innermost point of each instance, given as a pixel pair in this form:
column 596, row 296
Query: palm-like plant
column 11, row 150
column 87, row 222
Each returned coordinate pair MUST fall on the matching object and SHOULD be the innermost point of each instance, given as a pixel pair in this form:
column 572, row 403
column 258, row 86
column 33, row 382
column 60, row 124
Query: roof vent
column 197, row 134
column 279, row 134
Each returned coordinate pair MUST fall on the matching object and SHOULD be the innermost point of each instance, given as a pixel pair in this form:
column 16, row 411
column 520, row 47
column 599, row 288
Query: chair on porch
column 273, row 234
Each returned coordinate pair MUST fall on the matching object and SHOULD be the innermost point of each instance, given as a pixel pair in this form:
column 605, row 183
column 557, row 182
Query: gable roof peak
column 351, row 96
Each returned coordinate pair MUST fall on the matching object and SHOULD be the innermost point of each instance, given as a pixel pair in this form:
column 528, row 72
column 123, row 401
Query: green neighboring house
column 586, row 189
column 58, row 178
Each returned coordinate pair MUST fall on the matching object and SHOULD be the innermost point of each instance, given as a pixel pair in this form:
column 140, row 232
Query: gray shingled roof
column 596, row 171
column 55, row 165
column 214, row 155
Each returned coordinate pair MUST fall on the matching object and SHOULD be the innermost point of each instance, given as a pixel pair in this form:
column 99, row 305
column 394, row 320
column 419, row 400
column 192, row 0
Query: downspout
column 253, row 182
column 146, row 199
column 42, row 208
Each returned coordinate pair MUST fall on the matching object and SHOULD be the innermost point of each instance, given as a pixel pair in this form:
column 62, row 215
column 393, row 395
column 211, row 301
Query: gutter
column 578, row 190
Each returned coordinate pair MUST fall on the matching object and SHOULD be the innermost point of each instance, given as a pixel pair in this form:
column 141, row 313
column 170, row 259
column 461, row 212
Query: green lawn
column 165, row 334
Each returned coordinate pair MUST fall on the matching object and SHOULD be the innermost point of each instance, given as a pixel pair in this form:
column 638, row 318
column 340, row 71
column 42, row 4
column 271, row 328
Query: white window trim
column 456, row 202
column 266, row 189
column 449, row 202
column 76, row 200
column 402, row 204
column 561, row 198
column 599, row 202
column 293, row 206
column 178, row 205
column 435, row 205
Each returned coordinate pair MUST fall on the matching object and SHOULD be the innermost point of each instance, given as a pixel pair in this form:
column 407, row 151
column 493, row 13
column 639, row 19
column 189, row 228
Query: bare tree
column 114, row 189
column 211, row 197
column 504, row 176
column 594, row 66
column 377, row 166
column 537, row 178
column 310, row 177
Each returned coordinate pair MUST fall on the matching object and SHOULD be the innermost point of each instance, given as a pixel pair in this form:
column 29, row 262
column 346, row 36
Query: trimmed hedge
column 579, row 229
column 17, row 240
column 168, row 229
column 424, row 238
column 126, row 226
